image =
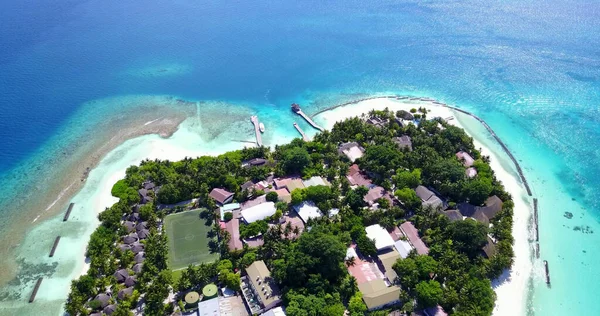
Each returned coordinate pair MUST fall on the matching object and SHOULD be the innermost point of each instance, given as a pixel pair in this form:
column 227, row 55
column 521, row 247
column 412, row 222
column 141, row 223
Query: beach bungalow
column 256, row 162
column 108, row 310
column 121, row 275
column 289, row 183
column 428, row 198
column 148, row 185
column 221, row 196
column 471, row 172
column 129, row 226
column 137, row 247
column 260, row 291
column 465, row 158
column 376, row 121
column 453, row 215
column 351, row 150
column 144, row 197
column 258, row 212
column 130, row 281
column 130, row 239
column 103, row 298
column 137, row 268
column 489, row 250
column 143, row 234
column 493, row 205
column 140, row 257
column 124, row 293
column 356, row 177
column 382, row 238
column 307, row 210
column 403, row 141
column 247, row 185
column 411, row 233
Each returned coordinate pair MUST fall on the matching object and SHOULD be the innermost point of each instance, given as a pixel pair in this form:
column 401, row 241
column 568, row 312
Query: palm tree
column 350, row 262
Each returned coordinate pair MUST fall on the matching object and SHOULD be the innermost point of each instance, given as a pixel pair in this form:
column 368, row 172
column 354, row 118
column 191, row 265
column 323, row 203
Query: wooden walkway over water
column 309, row 120
column 304, row 137
column 254, row 120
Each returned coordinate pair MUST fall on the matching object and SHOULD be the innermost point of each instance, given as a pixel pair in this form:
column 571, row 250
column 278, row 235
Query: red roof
column 233, row 228
column 412, row 234
column 356, row 177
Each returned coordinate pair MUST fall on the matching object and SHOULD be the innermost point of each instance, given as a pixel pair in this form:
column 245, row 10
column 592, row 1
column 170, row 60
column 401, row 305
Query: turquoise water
column 531, row 70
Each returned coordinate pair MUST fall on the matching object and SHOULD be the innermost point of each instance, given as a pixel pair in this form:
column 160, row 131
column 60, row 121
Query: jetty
column 35, row 290
column 54, row 246
column 304, row 137
column 296, row 109
column 547, row 272
column 254, row 120
column 68, row 213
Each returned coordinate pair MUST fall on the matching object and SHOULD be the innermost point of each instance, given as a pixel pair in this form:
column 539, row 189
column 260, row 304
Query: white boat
column 261, row 127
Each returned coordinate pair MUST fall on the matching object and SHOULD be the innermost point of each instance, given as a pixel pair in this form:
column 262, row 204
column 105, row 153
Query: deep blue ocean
column 531, row 69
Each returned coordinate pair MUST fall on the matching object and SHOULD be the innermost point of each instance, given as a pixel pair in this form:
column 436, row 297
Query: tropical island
column 388, row 212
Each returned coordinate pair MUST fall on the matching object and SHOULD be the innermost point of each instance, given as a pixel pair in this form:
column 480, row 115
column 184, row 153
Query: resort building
column 471, row 172
column 428, row 198
column 258, row 212
column 221, row 196
column 290, row 184
column 356, row 177
column 382, row 238
column 228, row 208
column 315, row 181
column 411, row 233
column 351, row 150
column 260, row 290
column 453, row 215
column 284, row 195
column 375, row 193
column 387, row 261
column 403, row 142
column 493, row 205
column 307, row 210
column 377, row 294
column 465, row 158
column 233, row 228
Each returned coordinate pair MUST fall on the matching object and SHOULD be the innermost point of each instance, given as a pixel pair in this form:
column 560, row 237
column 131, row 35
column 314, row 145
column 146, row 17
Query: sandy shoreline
column 68, row 178
column 512, row 287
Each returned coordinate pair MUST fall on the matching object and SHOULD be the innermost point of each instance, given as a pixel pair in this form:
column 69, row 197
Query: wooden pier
column 54, row 246
column 297, row 110
column 35, row 290
column 254, row 120
column 68, row 213
column 304, row 137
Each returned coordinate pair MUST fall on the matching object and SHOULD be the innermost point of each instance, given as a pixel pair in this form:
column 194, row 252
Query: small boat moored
column 261, row 127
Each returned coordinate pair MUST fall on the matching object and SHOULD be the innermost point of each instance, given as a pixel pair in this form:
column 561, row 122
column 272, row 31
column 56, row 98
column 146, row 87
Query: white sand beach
column 512, row 287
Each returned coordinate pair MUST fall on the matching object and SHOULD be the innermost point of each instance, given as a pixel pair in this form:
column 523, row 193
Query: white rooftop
column 258, row 212
column 307, row 210
column 314, row 181
column 350, row 253
column 228, row 208
column 353, row 153
column 277, row 311
column 382, row 238
column 403, row 247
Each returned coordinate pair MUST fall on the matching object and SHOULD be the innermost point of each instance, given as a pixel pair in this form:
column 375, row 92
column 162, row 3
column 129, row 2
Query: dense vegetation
column 310, row 269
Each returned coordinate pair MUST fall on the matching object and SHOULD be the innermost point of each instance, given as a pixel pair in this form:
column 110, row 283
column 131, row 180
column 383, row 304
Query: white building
column 403, row 247
column 382, row 238
column 307, row 210
column 258, row 212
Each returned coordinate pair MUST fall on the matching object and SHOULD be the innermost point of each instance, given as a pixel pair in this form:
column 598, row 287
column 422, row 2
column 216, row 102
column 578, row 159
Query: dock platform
column 254, row 120
column 54, row 246
column 35, row 290
column 68, row 213
column 304, row 137
column 547, row 272
column 297, row 110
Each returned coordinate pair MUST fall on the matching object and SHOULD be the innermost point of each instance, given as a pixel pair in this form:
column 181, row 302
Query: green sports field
column 188, row 240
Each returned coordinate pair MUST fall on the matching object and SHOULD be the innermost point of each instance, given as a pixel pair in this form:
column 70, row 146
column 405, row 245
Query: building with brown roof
column 221, row 196
column 233, row 228
column 429, row 198
column 356, row 177
column 412, row 234
column 403, row 141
